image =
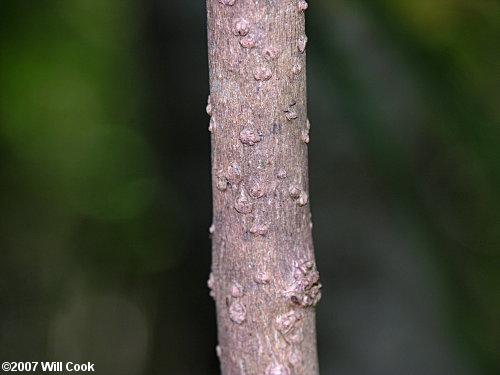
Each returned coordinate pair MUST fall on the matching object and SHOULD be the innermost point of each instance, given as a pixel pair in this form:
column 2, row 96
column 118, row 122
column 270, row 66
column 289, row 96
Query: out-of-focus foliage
column 83, row 208
column 105, row 185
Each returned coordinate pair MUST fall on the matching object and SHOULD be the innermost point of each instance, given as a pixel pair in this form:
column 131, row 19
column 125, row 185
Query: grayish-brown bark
column 264, row 278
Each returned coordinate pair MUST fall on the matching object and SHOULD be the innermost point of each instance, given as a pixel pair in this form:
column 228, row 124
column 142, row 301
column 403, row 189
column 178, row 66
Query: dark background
column 105, row 185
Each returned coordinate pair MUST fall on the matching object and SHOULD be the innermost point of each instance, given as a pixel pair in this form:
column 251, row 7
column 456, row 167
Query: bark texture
column 264, row 278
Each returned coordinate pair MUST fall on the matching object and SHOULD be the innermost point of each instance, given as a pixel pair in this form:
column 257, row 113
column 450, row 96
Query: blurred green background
column 105, row 185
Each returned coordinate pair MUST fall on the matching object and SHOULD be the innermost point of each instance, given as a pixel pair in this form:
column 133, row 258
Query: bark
column 264, row 278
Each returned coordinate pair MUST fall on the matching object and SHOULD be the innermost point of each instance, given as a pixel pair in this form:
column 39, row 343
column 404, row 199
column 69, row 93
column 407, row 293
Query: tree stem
column 264, row 278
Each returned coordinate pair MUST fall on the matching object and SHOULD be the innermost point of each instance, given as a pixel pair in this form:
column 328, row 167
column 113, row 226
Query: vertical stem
column 264, row 278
